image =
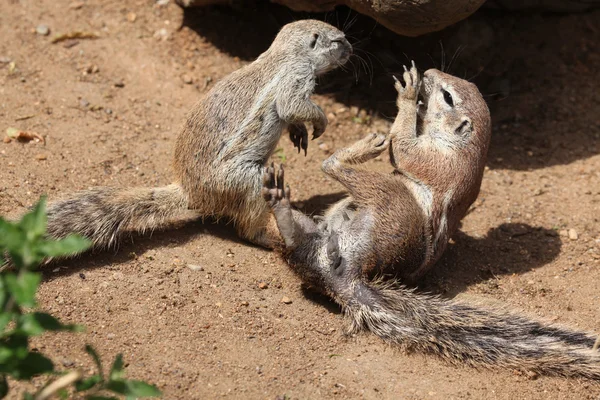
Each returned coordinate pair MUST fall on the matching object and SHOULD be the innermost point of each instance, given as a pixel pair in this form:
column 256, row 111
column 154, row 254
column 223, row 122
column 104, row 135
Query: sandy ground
column 110, row 109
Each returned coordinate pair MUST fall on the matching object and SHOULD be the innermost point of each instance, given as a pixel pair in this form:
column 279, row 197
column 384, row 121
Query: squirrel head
column 323, row 45
column 452, row 112
column 453, row 134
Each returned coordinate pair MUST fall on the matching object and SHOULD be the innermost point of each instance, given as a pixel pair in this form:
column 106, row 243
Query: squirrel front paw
column 367, row 148
column 299, row 136
column 412, row 84
column 274, row 191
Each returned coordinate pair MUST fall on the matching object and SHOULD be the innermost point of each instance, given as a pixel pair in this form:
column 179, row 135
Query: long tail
column 102, row 214
column 466, row 334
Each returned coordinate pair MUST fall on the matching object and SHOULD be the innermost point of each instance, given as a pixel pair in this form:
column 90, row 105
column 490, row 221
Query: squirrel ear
column 465, row 128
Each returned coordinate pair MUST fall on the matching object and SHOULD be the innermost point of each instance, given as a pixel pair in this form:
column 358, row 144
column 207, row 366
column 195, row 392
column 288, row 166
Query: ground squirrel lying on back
column 400, row 224
column 227, row 139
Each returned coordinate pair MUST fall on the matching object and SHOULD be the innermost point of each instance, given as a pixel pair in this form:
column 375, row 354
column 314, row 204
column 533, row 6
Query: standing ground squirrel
column 227, row 139
column 399, row 224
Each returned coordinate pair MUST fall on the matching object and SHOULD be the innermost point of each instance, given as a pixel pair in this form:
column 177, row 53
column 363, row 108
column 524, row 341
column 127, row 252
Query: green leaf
column 90, row 350
column 34, row 222
column 94, row 397
column 5, row 318
column 28, row 396
column 23, row 287
column 71, row 244
column 3, row 386
column 12, row 349
column 87, row 383
column 13, row 240
column 4, row 295
column 36, row 323
column 133, row 388
column 63, row 394
column 116, row 371
column 34, row 364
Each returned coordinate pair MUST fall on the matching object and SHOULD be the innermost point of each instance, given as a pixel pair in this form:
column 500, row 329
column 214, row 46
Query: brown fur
column 400, row 223
column 219, row 155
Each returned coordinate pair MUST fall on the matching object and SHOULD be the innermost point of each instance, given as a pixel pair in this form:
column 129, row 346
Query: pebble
column 131, row 17
column 245, row 303
column 194, row 267
column 84, row 103
column 41, row 157
column 42, row 30
column 6, row 139
column 563, row 233
column 162, row 33
column 187, row 79
column 286, row 300
column 573, row 234
column 263, row 285
column 324, row 147
column 110, row 336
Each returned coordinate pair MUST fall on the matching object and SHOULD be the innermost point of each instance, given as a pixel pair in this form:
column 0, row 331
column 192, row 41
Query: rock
column 187, row 79
column 324, row 147
column 194, row 267
column 42, row 30
column 131, row 17
column 161, row 34
column 573, row 234
column 6, row 139
column 41, row 157
column 244, row 303
column 286, row 300
column 405, row 17
column 110, row 336
column 263, row 285
column 84, row 103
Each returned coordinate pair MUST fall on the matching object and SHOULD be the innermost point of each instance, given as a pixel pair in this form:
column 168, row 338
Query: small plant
column 25, row 245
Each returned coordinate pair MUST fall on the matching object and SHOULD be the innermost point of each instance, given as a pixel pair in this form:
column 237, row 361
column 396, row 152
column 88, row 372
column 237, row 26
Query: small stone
column 286, row 300
column 331, row 116
column 563, row 233
column 219, row 304
column 161, row 34
column 187, row 79
column 324, row 147
column 573, row 234
column 131, row 17
column 108, row 111
column 41, row 157
column 84, row 103
column 263, row 285
column 42, row 30
column 532, row 375
column 110, row 336
column 67, row 363
column 76, row 5
column 6, row 139
column 244, row 303
column 194, row 267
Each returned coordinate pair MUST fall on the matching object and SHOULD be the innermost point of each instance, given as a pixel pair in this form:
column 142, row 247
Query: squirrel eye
column 448, row 98
column 313, row 43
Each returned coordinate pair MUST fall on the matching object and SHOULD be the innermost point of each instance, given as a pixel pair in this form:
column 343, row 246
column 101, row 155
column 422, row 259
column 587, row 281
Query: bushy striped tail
column 103, row 214
column 466, row 334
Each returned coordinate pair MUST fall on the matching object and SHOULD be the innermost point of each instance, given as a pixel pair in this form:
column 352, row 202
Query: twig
column 58, row 384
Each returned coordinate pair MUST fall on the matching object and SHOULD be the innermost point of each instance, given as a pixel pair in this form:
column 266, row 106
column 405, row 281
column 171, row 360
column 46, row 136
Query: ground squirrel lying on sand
column 400, row 224
column 227, row 139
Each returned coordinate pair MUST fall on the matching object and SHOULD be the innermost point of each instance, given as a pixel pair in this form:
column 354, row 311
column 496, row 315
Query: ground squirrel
column 400, row 223
column 227, row 139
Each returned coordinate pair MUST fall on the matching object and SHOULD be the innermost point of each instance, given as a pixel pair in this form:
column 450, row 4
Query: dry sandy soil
column 185, row 307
